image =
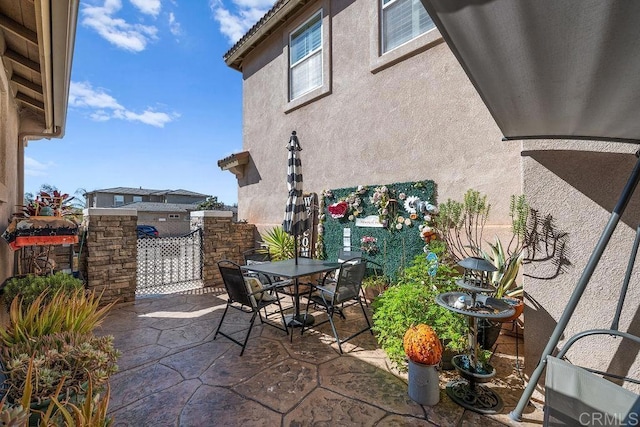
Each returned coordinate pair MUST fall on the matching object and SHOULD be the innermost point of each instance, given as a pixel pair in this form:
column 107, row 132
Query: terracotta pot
column 515, row 303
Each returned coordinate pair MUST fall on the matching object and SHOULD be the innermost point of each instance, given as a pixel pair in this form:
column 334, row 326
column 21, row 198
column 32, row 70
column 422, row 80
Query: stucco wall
column 418, row 119
column 9, row 125
column 579, row 184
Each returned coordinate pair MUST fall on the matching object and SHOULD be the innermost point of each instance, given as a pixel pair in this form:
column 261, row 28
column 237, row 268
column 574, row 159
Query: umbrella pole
column 295, row 247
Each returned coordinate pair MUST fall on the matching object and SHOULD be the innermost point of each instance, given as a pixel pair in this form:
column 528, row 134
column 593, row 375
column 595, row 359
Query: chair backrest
column 575, row 396
column 348, row 253
column 349, row 280
column 253, row 256
column 234, row 283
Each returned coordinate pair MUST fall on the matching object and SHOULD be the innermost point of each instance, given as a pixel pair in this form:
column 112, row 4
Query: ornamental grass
column 76, row 312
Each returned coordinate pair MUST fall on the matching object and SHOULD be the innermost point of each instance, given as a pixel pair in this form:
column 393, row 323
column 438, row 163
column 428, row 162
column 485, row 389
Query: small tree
column 211, row 204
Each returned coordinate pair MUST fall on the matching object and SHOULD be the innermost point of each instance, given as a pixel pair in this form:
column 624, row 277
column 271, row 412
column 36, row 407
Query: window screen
column 402, row 21
column 305, row 57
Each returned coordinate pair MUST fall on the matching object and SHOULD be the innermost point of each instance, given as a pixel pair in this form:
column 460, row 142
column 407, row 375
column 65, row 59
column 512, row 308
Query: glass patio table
column 290, row 270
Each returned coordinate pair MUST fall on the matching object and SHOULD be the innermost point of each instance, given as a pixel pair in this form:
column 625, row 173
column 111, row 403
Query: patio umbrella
column 296, row 220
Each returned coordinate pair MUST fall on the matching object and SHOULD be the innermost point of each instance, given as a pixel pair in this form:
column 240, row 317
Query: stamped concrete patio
column 172, row 373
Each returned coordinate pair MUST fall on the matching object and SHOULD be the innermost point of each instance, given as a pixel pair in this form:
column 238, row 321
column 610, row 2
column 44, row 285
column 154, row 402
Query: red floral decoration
column 339, row 209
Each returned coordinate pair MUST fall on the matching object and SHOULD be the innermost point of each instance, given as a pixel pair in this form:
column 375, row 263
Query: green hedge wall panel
column 396, row 248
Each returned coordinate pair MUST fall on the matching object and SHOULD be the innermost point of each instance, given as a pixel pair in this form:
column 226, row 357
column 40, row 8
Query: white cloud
column 148, row 117
column 132, row 37
column 174, row 26
column 236, row 18
column 148, row 7
column 104, row 107
column 82, row 94
column 32, row 167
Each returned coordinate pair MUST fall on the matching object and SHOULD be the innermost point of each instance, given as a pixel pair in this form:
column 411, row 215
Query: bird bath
column 467, row 391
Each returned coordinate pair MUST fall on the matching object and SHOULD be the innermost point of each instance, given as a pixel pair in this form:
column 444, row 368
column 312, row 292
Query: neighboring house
column 36, row 40
column 120, row 196
column 167, row 210
column 375, row 96
column 171, row 219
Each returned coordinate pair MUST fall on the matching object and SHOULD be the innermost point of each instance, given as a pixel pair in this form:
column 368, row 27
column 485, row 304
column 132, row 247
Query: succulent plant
column 69, row 357
column 13, row 415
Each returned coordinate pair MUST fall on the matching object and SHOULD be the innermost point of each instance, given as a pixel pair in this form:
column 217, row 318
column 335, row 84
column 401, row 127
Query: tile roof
column 167, row 207
column 146, row 192
column 160, row 207
column 271, row 21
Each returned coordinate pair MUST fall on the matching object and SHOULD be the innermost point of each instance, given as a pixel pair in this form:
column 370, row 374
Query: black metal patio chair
column 352, row 253
column 245, row 295
column 262, row 255
column 256, row 255
column 330, row 296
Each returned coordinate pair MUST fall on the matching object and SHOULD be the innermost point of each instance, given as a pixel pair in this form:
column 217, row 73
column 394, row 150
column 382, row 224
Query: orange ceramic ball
column 422, row 345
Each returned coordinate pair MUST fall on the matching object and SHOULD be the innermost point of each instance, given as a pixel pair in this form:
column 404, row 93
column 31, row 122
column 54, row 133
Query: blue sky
column 152, row 103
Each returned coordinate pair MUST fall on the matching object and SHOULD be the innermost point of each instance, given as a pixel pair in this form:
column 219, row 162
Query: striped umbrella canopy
column 296, row 220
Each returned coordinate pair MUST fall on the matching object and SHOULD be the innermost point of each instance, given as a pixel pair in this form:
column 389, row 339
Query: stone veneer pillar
column 221, row 239
column 111, row 253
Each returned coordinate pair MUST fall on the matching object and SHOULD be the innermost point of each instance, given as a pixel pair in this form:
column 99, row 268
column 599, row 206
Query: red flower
column 339, row 209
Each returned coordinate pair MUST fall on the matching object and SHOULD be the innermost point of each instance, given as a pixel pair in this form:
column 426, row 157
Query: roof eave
column 273, row 20
column 58, row 21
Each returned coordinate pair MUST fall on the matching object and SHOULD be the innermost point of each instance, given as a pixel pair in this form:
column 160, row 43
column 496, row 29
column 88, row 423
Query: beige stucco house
column 376, row 96
column 373, row 113
column 36, row 41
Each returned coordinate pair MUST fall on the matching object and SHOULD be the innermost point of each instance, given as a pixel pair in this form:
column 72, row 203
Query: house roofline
column 267, row 25
column 57, row 22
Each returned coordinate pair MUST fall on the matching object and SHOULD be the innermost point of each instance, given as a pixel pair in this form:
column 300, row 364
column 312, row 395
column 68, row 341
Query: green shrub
column 411, row 301
column 29, row 287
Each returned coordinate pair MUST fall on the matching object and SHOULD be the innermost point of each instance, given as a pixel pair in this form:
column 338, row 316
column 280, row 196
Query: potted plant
column 411, row 301
column 504, row 278
column 49, row 349
column 374, row 285
column 278, row 244
column 424, row 351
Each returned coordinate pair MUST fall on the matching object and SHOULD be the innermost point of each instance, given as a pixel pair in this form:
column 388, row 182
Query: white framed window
column 137, row 198
column 401, row 22
column 118, row 200
column 306, row 57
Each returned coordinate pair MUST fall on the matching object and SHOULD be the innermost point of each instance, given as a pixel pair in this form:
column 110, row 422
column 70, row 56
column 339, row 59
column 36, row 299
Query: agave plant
column 504, row 279
column 278, row 244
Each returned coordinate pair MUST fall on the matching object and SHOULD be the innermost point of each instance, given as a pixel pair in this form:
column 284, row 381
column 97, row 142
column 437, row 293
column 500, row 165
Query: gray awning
column 565, row 69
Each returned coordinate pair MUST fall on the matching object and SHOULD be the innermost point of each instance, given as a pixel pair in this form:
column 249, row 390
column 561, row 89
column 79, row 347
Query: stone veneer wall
column 109, row 259
column 221, row 239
